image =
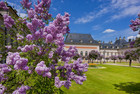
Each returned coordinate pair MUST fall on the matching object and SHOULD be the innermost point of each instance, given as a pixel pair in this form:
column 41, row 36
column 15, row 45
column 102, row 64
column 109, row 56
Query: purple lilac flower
column 29, row 37
column 26, row 3
column 51, row 54
column 3, row 5
column 31, row 13
column 21, row 90
column 41, row 69
column 20, row 37
column 18, row 62
column 8, row 21
column 27, row 48
column 2, row 89
column 4, row 69
column 8, row 47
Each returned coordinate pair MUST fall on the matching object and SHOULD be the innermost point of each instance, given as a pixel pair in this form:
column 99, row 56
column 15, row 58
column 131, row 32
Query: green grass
column 111, row 80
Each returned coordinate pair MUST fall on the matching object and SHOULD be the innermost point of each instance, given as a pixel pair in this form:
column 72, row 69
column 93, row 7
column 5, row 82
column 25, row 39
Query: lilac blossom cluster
column 8, row 21
column 21, row 90
column 20, row 37
column 41, row 69
column 26, row 3
column 4, row 69
column 2, row 89
column 27, row 48
column 18, row 62
column 135, row 24
column 3, row 5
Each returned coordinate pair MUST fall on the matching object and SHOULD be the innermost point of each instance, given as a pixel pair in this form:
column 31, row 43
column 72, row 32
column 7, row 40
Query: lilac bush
column 113, row 57
column 39, row 64
column 93, row 55
column 131, row 55
column 120, row 57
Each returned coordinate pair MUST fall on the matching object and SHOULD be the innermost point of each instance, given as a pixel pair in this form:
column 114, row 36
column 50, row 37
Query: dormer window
column 71, row 40
column 90, row 41
column 81, row 41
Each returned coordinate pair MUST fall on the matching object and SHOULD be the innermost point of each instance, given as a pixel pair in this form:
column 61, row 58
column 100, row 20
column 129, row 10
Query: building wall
column 84, row 48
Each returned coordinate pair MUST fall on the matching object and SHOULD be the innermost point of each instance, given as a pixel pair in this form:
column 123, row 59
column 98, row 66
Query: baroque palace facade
column 85, row 43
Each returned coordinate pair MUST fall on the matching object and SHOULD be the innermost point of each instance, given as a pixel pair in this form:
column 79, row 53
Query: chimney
column 119, row 38
column 110, row 42
column 124, row 38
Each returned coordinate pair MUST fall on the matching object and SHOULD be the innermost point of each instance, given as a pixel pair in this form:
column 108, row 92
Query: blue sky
column 103, row 19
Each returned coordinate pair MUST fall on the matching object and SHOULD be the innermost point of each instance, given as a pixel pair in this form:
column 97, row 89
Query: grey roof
column 86, row 39
column 120, row 43
column 75, row 38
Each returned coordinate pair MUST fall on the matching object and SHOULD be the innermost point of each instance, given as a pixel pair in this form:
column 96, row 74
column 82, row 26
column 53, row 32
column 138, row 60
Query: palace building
column 85, row 43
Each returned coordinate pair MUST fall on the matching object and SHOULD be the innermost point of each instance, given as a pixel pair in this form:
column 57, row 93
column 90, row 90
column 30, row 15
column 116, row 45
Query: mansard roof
column 86, row 39
column 75, row 38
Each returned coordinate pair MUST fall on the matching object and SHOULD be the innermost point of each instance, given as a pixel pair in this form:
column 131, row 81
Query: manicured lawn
column 111, row 80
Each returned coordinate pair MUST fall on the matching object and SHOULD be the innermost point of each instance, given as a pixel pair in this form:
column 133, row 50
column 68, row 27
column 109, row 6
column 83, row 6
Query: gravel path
column 121, row 65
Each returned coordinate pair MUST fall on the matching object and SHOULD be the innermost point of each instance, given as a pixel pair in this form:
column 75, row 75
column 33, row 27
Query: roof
column 75, row 38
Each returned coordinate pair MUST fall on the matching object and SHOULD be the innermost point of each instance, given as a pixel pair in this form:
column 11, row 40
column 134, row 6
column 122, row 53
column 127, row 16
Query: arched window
column 81, row 53
column 86, row 53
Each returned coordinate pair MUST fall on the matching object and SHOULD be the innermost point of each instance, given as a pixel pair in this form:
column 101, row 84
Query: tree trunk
column 120, row 61
column 130, row 61
column 100, row 61
column 92, row 60
column 114, row 61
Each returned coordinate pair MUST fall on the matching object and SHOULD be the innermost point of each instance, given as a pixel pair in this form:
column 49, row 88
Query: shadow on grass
column 128, row 87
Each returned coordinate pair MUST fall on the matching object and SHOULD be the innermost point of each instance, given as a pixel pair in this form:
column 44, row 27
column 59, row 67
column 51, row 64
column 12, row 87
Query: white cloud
column 91, row 16
column 22, row 15
column 109, row 31
column 133, row 37
column 130, row 11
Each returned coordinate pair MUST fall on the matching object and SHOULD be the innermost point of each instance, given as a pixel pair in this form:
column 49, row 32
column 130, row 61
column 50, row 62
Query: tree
column 93, row 55
column 39, row 64
column 120, row 57
column 107, row 58
column 113, row 57
column 100, row 57
column 130, row 55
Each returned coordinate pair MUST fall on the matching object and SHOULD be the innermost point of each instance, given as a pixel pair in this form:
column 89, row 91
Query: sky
column 105, row 20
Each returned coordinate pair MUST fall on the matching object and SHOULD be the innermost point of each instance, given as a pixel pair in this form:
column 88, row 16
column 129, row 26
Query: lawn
column 111, row 80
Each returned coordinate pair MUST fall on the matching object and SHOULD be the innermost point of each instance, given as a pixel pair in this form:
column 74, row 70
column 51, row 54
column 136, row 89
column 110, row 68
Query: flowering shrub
column 113, row 57
column 131, row 55
column 120, row 57
column 39, row 64
column 93, row 55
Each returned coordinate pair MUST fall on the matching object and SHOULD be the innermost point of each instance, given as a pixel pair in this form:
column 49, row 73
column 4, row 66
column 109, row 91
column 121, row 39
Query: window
column 86, row 53
column 107, row 53
column 90, row 41
column 81, row 53
column 81, row 41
